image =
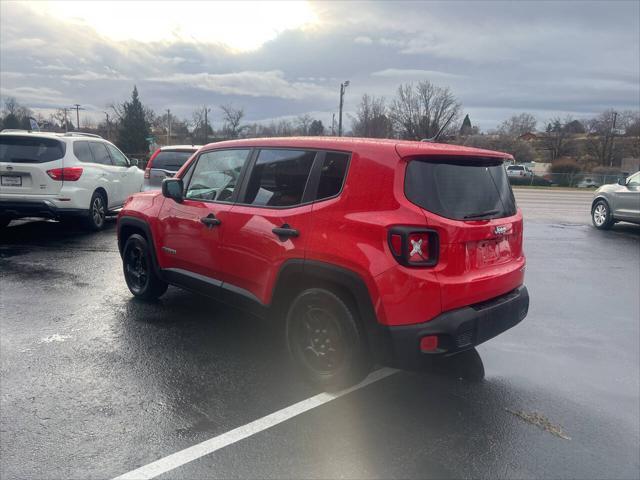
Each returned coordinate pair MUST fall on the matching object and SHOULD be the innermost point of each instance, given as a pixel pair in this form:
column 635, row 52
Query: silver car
column 165, row 163
column 617, row 202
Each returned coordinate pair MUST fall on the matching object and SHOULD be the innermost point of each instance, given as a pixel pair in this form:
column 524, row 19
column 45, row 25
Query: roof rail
column 81, row 134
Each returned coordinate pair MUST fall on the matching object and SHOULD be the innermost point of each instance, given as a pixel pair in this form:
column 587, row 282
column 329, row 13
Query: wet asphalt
column 94, row 384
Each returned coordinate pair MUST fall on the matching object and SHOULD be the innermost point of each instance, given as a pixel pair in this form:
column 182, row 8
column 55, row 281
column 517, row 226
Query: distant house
column 528, row 137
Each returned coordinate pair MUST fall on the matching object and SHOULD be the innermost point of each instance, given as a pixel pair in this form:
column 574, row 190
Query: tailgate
column 24, row 161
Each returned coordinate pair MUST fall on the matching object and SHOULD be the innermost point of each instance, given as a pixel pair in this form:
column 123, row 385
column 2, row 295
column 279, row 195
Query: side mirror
column 622, row 181
column 133, row 162
column 173, row 188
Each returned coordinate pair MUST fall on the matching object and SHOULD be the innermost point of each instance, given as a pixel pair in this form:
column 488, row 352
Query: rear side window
column 82, row 152
column 460, row 189
column 23, row 149
column 279, row 177
column 334, row 168
column 171, row 160
column 100, row 153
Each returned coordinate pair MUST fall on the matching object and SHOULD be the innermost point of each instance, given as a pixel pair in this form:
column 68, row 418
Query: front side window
column 334, row 169
column 82, row 152
column 634, row 180
column 279, row 177
column 119, row 160
column 100, row 153
column 216, row 174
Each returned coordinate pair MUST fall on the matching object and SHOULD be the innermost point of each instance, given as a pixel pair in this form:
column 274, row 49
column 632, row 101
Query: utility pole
column 66, row 122
column 206, row 125
column 343, row 86
column 77, row 106
column 613, row 136
column 108, row 126
column 169, row 127
column 333, row 124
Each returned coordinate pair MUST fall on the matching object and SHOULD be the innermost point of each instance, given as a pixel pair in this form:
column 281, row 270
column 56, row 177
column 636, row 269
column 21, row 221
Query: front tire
column 325, row 341
column 139, row 273
column 97, row 212
column 601, row 216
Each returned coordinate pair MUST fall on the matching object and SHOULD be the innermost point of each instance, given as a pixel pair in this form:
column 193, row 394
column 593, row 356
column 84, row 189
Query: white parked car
column 61, row 175
column 519, row 171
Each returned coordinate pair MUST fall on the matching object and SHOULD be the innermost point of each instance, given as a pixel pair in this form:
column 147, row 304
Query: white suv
column 60, row 175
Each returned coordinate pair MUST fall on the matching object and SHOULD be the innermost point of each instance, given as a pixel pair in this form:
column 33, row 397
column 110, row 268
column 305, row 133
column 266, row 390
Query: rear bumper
column 459, row 329
column 40, row 208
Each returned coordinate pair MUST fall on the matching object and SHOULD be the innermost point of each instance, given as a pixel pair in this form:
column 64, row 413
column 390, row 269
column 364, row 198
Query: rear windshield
column 171, row 159
column 22, row 149
column 460, row 189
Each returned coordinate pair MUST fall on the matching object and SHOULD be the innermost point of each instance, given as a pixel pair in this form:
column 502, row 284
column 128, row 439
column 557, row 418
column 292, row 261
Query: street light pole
column 343, row 86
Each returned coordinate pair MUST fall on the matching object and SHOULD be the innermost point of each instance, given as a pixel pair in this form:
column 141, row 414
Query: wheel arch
column 128, row 226
column 597, row 199
column 103, row 192
column 298, row 275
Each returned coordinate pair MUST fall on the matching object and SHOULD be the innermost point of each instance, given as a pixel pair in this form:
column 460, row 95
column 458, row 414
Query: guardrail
column 574, row 180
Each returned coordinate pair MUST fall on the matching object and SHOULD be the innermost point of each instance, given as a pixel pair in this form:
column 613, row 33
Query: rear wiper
column 482, row 214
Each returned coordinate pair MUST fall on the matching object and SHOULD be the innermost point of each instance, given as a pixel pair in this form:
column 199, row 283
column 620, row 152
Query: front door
column 627, row 202
column 270, row 223
column 191, row 233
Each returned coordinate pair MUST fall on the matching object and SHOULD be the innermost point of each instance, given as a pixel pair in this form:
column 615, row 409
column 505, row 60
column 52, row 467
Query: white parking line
column 214, row 444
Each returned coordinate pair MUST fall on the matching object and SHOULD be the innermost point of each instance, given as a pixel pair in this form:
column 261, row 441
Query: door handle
column 285, row 231
column 210, row 220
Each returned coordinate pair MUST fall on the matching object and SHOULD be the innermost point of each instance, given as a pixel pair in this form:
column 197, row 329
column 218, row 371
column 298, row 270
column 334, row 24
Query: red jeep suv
column 372, row 250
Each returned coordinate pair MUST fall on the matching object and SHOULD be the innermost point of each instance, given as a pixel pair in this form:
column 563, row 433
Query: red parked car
column 373, row 250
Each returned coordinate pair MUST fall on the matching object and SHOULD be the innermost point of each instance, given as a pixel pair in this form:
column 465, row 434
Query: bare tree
column 303, row 123
column 420, row 111
column 600, row 138
column 518, row 125
column 557, row 138
column 372, row 118
column 231, row 117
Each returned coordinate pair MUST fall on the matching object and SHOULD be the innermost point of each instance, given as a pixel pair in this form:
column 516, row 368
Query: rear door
column 270, row 222
column 24, row 161
column 107, row 174
column 469, row 202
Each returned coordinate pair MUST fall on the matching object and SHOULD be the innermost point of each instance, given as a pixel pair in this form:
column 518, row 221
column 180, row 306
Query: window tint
column 461, row 189
column 171, row 159
column 100, row 153
column 332, row 174
column 23, row 149
column 279, row 177
column 82, row 152
column 216, row 173
column 118, row 159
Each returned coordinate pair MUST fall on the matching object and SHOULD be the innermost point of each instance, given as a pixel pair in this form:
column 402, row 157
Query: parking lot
column 95, row 384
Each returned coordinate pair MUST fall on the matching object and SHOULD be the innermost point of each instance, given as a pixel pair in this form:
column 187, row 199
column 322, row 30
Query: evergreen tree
column 134, row 128
column 466, row 126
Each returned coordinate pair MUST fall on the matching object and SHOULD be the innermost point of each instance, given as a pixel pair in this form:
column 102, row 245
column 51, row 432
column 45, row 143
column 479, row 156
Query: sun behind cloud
column 241, row 26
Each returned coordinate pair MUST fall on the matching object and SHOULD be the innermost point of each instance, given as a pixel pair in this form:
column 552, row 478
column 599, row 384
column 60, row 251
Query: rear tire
column 138, row 268
column 325, row 341
column 97, row 212
column 601, row 216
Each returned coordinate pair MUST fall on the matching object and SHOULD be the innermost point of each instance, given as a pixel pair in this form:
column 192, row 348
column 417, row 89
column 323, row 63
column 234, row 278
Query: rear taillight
column 67, row 174
column 147, row 170
column 414, row 247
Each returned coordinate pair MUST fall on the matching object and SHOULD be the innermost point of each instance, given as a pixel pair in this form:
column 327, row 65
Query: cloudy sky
column 284, row 59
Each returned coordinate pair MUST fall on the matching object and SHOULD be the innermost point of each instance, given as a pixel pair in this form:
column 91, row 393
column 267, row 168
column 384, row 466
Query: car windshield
column 23, row 149
column 460, row 189
column 171, row 159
